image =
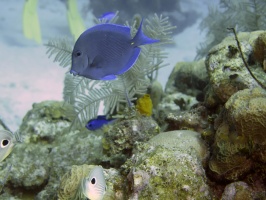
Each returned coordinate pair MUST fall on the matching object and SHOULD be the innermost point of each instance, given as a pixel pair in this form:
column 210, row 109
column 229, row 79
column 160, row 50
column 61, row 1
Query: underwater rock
column 227, row 71
column 169, row 166
column 181, row 139
column 156, row 93
column 173, row 103
column 239, row 147
column 259, row 48
column 189, row 78
column 49, row 148
column 194, row 119
column 120, row 139
column 45, row 120
column 70, row 186
column 237, row 191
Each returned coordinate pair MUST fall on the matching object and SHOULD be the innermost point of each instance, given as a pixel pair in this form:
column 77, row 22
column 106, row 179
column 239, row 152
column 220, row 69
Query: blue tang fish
column 107, row 50
column 98, row 123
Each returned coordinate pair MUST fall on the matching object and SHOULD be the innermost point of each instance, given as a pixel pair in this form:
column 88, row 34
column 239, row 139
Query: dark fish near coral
column 98, row 123
column 107, row 50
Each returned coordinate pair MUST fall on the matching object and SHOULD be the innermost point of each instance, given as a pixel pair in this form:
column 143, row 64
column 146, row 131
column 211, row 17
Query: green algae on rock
column 48, row 149
column 240, row 139
column 120, row 139
column 190, row 78
column 169, row 167
column 226, row 69
column 238, row 191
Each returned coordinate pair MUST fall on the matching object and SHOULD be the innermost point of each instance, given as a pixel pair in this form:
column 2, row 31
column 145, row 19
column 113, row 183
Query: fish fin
column 141, row 39
column 115, row 28
column 109, row 77
column 97, row 62
column 131, row 61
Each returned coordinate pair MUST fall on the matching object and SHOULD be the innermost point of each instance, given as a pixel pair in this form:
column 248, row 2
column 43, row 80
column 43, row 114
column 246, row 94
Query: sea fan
column 87, row 95
column 245, row 15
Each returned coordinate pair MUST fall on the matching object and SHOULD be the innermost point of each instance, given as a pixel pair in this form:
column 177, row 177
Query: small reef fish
column 98, row 123
column 94, row 186
column 144, row 105
column 8, row 141
column 107, row 50
column 108, row 16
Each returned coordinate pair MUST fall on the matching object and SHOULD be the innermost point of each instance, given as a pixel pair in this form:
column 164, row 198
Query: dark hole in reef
column 233, row 76
column 232, row 51
column 226, row 68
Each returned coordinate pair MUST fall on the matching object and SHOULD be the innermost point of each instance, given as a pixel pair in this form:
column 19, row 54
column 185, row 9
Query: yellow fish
column 144, row 105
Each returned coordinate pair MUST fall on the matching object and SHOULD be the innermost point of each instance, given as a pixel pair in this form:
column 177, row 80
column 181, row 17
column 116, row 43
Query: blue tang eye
column 79, row 53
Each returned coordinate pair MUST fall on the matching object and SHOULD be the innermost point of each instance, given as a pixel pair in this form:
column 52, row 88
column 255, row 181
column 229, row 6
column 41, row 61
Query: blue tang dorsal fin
column 141, row 39
column 114, row 28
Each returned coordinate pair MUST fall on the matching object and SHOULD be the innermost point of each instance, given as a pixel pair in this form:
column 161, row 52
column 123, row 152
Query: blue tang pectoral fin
column 131, row 61
column 97, row 62
column 141, row 39
column 109, row 77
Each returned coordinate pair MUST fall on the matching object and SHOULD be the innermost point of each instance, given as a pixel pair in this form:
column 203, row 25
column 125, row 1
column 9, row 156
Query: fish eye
column 93, row 181
column 4, row 143
column 78, row 53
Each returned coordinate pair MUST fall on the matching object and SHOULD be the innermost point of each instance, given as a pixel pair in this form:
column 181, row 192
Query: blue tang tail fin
column 141, row 39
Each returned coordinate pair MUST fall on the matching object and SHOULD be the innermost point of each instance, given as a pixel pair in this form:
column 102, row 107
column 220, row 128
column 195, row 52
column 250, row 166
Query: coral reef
column 187, row 77
column 194, row 119
column 226, row 69
column 237, row 190
column 120, row 139
column 240, row 140
column 169, row 167
column 156, row 93
column 47, row 151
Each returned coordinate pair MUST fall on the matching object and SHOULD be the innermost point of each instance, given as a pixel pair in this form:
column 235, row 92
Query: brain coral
column 240, row 140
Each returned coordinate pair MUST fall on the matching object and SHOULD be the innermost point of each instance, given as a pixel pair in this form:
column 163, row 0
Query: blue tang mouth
column 73, row 72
